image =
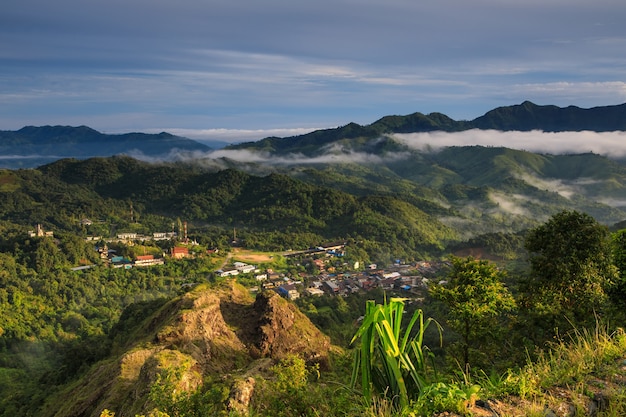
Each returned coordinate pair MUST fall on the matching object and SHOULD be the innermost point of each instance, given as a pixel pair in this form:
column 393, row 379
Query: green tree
column 618, row 291
column 571, row 267
column 476, row 297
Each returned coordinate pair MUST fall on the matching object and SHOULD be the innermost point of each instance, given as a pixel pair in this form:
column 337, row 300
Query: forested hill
column 59, row 195
column 32, row 146
column 411, row 207
column 523, row 117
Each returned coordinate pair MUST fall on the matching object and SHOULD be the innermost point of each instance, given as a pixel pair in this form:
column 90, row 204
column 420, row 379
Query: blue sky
column 243, row 70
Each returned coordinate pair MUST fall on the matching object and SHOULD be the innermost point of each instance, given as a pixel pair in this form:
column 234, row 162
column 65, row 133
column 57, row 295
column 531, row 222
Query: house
column 228, row 272
column 244, row 268
column 319, row 264
column 39, row 232
column 163, row 235
column 127, row 236
column 289, row 291
column 179, row 252
column 273, row 276
column 147, row 260
column 314, row 291
column 260, row 277
column 331, row 287
column 387, row 283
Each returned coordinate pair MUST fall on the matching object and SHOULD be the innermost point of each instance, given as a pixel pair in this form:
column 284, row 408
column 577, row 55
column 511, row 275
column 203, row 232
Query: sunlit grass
column 573, row 370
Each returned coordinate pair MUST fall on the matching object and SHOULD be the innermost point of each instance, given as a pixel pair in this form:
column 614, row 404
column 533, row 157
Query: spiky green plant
column 391, row 360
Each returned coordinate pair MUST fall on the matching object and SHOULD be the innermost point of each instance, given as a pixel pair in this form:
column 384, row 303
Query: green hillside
column 442, row 197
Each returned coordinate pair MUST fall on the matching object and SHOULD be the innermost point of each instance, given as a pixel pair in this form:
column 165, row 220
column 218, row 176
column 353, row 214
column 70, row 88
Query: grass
column 585, row 371
column 587, row 353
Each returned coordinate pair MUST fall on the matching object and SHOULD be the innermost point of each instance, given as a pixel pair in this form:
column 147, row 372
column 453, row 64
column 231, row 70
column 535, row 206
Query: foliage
column 442, row 397
column 171, row 400
column 391, row 362
column 618, row 290
column 476, row 297
column 571, row 266
column 295, row 389
column 586, row 355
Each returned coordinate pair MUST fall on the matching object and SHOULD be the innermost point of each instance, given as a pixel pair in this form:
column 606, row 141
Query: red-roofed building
column 179, row 252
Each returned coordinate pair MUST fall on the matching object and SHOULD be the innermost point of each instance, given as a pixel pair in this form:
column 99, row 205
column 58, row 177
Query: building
column 331, row 287
column 127, row 236
column 179, row 252
column 227, row 272
column 148, row 260
column 244, row 268
column 314, row 291
column 39, row 232
column 289, row 291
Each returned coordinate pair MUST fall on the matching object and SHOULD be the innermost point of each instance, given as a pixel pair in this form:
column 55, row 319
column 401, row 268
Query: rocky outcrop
column 240, row 396
column 206, row 332
column 282, row 329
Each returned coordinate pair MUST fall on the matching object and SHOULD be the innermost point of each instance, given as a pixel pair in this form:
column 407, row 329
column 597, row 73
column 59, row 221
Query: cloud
column 610, row 144
column 508, row 204
column 603, row 143
column 258, row 65
column 556, row 186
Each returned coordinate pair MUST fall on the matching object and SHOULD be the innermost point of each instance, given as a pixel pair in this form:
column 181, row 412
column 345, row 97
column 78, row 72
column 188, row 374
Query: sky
column 242, row 70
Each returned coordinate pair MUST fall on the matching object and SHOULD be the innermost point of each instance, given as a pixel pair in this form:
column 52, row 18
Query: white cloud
column 604, row 143
column 508, row 204
column 555, row 186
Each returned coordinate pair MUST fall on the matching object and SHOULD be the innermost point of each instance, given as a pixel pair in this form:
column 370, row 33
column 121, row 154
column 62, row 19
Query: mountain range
column 331, row 183
column 523, row 117
column 33, row 146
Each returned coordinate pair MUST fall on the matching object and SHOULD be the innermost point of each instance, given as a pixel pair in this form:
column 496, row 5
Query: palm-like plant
column 390, row 360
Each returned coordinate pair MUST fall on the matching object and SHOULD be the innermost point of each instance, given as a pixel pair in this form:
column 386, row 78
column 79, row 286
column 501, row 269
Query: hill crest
column 208, row 332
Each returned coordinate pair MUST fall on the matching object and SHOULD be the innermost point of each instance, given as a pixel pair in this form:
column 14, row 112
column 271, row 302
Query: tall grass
column 587, row 352
column 577, row 365
column 391, row 360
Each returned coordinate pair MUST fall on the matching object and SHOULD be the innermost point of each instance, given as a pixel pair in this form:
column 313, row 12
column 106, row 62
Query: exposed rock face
column 240, row 396
column 282, row 329
column 200, row 331
column 214, row 331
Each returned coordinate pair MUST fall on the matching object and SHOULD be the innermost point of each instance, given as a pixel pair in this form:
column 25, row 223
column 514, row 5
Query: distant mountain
column 523, row 117
column 32, row 146
column 529, row 116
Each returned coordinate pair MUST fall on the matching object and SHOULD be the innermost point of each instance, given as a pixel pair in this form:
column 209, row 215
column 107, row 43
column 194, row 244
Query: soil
column 249, row 256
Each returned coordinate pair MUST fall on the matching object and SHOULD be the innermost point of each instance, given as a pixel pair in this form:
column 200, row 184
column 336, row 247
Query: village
column 408, row 278
column 326, row 259
column 331, row 275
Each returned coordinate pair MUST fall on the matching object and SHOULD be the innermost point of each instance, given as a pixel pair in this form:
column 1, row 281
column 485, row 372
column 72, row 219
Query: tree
column 476, row 297
column 618, row 291
column 571, row 266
